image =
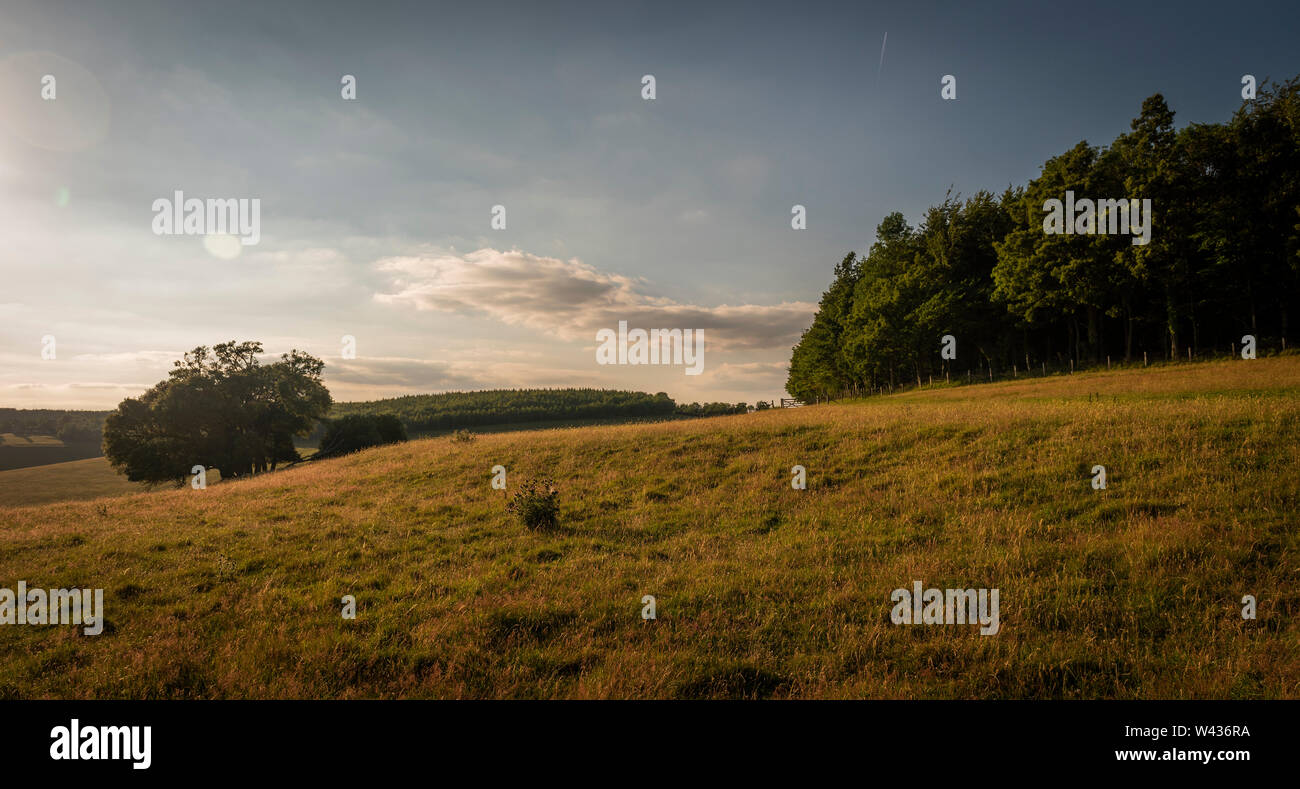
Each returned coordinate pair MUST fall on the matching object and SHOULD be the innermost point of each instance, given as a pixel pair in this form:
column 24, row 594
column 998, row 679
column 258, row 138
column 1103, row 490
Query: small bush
column 463, row 437
column 536, row 504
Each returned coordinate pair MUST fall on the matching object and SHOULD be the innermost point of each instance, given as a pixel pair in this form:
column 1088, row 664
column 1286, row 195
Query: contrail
column 884, row 41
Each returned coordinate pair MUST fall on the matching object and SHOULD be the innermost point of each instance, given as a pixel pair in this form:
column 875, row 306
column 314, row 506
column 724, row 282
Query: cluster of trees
column 218, row 408
column 712, row 409
column 357, row 431
column 1223, row 261
column 71, row 427
column 438, row 412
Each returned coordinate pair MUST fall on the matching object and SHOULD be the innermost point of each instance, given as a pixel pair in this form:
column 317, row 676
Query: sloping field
column 762, row 590
column 73, row 480
column 30, row 451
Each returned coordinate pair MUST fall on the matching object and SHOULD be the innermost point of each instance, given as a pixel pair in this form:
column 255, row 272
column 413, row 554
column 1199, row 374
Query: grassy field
column 762, row 590
column 27, row 451
column 14, row 440
column 74, row 480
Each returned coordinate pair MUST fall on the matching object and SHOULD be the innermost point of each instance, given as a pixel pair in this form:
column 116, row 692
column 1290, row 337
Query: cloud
column 91, row 395
column 748, row 373
column 110, row 386
column 574, row 300
column 380, row 377
column 396, row 372
column 117, row 359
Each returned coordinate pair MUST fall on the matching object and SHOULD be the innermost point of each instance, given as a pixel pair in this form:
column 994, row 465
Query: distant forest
column 71, row 427
column 431, row 413
column 1223, row 261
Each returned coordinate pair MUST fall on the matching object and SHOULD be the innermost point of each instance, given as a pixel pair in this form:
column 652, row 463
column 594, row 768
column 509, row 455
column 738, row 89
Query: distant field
column 76, row 480
column 12, row 440
column 26, row 451
column 762, row 591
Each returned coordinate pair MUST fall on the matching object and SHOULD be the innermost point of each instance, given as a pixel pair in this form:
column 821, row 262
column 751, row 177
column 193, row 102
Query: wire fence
column 1039, row 368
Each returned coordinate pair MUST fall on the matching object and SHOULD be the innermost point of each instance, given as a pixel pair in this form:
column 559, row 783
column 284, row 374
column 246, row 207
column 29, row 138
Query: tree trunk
column 1094, row 334
column 1171, row 323
column 1128, row 330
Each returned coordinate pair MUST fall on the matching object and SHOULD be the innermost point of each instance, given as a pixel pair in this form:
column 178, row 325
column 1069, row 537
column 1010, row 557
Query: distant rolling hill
column 435, row 413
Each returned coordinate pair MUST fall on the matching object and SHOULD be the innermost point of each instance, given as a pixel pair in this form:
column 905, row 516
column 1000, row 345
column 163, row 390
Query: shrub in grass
column 463, row 437
column 536, row 504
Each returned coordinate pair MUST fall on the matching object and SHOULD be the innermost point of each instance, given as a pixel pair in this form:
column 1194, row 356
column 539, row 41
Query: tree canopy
column 1222, row 261
column 219, row 408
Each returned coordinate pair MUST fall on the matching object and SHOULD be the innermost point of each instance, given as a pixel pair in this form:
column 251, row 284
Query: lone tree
column 221, row 409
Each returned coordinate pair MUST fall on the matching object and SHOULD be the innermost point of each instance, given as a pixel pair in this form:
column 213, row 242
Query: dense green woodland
column 1223, row 261
column 434, row 412
column 68, row 426
column 431, row 413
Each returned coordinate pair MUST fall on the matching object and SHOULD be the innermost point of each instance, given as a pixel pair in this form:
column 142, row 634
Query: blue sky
column 672, row 213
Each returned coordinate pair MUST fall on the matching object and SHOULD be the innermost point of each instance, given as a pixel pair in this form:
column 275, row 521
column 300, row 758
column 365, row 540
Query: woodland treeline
column 68, row 426
column 1223, row 261
column 431, row 413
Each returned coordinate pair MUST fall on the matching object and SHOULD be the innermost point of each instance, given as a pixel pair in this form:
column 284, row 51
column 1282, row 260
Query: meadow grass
column 762, row 590
column 72, row 480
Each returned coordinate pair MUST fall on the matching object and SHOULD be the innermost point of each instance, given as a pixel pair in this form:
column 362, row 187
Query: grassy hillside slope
column 74, row 480
column 763, row 591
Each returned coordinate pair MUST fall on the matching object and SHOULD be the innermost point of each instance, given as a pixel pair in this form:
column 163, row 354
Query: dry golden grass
column 763, row 591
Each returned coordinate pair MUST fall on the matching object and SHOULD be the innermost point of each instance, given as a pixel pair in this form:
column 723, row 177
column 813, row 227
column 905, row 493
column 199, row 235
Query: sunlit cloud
column 573, row 300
